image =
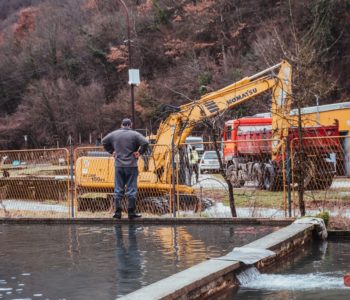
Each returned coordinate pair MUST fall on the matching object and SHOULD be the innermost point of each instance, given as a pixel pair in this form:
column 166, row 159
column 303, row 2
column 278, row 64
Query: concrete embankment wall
column 151, row 221
column 219, row 274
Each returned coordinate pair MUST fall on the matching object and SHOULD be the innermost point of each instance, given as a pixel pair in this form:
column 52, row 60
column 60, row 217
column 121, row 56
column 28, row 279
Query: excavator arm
column 179, row 124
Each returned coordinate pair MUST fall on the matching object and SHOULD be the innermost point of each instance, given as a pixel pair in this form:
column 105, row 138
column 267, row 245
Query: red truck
column 247, row 153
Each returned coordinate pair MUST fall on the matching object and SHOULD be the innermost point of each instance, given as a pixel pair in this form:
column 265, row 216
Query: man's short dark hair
column 126, row 122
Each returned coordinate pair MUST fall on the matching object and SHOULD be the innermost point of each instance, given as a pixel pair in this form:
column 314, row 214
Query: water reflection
column 128, row 262
column 177, row 242
column 73, row 245
column 105, row 262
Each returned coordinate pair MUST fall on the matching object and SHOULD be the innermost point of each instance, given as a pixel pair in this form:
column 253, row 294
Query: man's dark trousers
column 125, row 182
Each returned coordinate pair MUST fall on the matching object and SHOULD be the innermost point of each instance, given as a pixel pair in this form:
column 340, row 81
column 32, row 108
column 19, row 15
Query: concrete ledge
column 274, row 240
column 216, row 275
column 150, row 221
column 283, row 242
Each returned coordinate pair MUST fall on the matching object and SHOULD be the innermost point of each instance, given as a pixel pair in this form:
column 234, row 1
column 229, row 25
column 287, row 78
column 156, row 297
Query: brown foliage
column 175, row 48
column 119, row 55
column 200, row 8
column 145, row 8
column 90, row 4
column 63, row 64
column 25, row 23
column 57, row 108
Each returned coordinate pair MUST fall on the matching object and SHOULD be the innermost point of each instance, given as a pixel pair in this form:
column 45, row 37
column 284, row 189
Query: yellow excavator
column 156, row 172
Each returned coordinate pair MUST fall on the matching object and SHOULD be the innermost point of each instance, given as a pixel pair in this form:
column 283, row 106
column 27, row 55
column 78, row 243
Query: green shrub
column 162, row 16
column 205, row 78
column 325, row 216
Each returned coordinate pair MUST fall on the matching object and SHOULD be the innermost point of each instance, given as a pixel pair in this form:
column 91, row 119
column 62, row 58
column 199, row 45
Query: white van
column 197, row 142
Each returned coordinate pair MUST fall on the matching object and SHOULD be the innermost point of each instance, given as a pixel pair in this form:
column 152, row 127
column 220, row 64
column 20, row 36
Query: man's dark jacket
column 124, row 142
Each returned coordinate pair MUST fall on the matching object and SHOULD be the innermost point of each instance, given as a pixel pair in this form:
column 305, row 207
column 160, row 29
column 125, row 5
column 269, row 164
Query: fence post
column 173, row 171
column 289, row 192
column 200, row 201
column 71, row 150
column 176, row 158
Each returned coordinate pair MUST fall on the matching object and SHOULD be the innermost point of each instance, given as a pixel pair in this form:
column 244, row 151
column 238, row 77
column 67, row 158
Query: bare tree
column 214, row 126
column 307, row 48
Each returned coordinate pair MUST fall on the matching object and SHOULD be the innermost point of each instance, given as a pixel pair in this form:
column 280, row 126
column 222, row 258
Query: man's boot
column 132, row 214
column 118, row 214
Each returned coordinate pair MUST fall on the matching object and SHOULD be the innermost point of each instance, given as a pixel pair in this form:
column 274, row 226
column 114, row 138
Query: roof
column 321, row 108
column 247, row 121
column 311, row 109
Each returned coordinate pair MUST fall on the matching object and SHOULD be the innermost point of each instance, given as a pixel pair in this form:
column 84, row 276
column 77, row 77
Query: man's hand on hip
column 136, row 154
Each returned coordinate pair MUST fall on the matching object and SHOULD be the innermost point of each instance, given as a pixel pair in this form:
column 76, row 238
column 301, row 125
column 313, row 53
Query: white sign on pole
column 134, row 76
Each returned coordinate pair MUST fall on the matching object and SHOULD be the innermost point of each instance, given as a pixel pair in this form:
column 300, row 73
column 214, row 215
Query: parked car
column 209, row 162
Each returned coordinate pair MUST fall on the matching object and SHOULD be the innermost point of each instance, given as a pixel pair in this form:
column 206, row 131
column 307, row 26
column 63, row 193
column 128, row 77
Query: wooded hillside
column 63, row 64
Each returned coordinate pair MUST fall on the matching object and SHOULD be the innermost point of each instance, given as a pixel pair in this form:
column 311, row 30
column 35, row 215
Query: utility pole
column 130, row 64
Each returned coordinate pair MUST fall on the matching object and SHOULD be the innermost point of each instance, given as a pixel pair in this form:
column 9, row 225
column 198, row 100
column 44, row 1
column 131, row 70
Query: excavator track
column 157, row 205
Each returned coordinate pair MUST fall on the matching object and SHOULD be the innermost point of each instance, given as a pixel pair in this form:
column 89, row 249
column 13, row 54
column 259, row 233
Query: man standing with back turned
column 126, row 145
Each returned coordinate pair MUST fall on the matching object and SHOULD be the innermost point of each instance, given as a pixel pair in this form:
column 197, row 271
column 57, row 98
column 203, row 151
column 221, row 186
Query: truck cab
column 237, row 132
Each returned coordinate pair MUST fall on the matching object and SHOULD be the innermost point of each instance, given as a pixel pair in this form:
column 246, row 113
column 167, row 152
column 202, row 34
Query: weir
column 218, row 275
column 295, row 282
column 248, row 276
column 318, row 271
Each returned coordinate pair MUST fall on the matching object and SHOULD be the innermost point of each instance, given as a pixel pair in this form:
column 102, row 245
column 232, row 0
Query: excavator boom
column 179, row 125
column 156, row 171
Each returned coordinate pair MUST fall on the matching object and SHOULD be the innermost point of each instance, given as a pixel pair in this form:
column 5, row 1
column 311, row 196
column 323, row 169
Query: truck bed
column 259, row 142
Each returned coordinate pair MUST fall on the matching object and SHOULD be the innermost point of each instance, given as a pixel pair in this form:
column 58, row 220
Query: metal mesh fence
column 94, row 182
column 173, row 181
column 322, row 173
column 246, row 166
column 34, row 183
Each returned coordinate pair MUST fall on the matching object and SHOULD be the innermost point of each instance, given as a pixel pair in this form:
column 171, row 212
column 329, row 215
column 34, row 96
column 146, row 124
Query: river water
column 316, row 273
column 105, row 262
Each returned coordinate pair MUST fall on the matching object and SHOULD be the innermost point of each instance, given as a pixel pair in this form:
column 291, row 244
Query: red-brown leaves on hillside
column 200, row 7
column 201, row 46
column 237, row 32
column 90, row 4
column 176, row 48
column 119, row 55
column 145, row 8
column 25, row 23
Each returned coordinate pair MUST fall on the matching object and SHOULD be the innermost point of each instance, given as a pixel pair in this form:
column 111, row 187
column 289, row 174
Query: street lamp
column 131, row 81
